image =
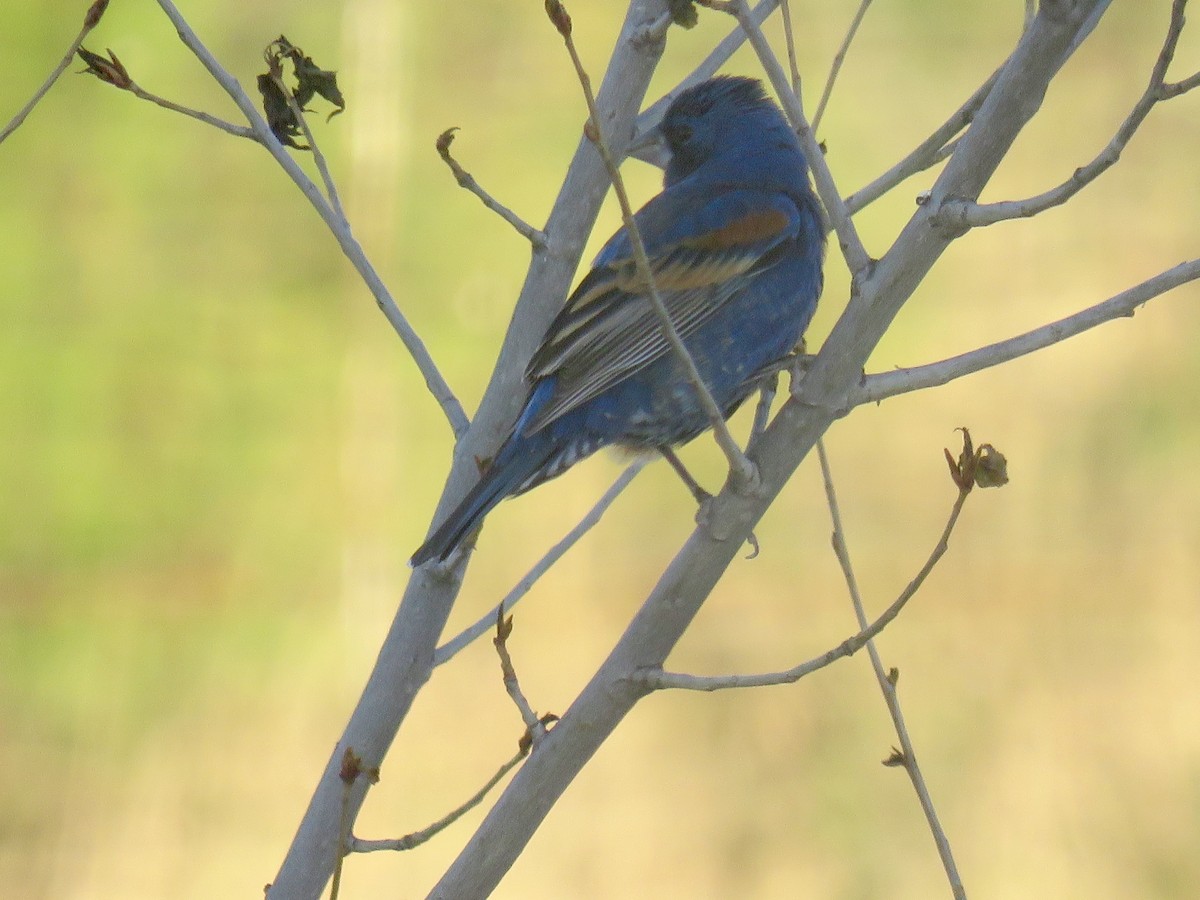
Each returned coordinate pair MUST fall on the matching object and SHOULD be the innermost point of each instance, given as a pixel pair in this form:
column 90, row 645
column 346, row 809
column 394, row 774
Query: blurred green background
column 215, row 458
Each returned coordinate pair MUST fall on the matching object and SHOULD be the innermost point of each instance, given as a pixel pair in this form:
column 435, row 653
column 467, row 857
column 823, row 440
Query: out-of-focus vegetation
column 215, row 459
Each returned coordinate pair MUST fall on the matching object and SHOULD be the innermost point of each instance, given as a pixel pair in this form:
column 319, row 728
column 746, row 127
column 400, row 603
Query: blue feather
column 736, row 244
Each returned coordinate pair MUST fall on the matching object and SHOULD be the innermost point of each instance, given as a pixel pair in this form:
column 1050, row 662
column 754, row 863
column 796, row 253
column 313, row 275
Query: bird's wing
column 702, row 248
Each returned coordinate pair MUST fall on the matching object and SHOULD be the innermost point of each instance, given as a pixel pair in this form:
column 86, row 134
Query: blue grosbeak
column 735, row 241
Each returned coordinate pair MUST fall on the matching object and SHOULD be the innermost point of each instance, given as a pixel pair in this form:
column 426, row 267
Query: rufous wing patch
column 749, row 229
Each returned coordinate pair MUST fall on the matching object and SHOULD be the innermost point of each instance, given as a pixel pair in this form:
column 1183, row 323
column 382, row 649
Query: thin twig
column 351, row 844
column 90, row 20
column 875, row 388
column 939, row 146
column 434, row 380
column 467, row 181
column 344, row 825
column 331, row 191
column 838, row 59
column 974, row 215
column 468, row 635
column 409, row 841
column 657, row 679
column 743, row 470
column 512, row 684
column 789, row 39
column 886, row 680
column 350, row 770
column 1175, row 88
column 928, row 153
column 112, row 71
column 241, row 131
column 857, row 258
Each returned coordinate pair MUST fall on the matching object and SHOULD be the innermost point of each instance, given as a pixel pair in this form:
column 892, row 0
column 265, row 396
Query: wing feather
column 608, row 329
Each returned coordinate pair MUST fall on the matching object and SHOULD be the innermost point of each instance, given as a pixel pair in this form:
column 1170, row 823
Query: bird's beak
column 649, row 146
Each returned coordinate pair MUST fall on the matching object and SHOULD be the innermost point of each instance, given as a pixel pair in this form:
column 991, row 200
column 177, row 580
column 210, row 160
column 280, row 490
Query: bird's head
column 724, row 118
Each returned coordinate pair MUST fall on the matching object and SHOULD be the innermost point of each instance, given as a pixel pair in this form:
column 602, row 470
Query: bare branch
column 467, row 181
column 928, row 153
column 448, row 650
column 939, row 145
column 1175, row 88
column 658, row 625
column 657, row 679
column 405, row 659
column 331, row 191
column 90, row 20
column 836, row 66
column 887, row 684
column 878, row 387
column 416, row 838
column 241, row 131
column 741, row 467
column 338, row 226
column 350, row 771
column 112, row 71
column 975, row 215
column 789, row 39
column 535, row 728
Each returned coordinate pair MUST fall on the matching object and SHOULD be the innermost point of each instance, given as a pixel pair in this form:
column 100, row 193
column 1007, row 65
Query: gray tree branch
column 487, row 621
column 337, row 225
column 875, row 388
column 878, row 295
column 406, row 657
column 90, row 20
column 962, row 212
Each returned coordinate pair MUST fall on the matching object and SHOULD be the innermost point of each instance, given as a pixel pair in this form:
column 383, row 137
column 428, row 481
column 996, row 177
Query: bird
column 736, row 245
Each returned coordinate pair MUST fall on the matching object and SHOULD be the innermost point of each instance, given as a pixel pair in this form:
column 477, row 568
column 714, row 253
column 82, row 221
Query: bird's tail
column 515, row 465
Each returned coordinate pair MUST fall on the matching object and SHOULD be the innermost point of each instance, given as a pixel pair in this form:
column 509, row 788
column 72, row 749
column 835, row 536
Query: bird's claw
column 798, row 367
column 752, row 540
